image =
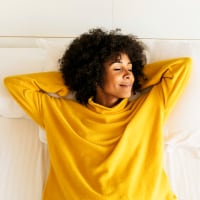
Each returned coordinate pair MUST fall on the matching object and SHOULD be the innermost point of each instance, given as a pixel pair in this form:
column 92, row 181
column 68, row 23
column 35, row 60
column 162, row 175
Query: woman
column 102, row 145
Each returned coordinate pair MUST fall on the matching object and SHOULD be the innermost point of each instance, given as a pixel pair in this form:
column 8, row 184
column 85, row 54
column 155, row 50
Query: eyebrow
column 119, row 61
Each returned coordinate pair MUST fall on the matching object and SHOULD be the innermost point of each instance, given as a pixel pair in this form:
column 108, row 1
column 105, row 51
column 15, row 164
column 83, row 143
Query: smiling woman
column 103, row 145
column 90, row 52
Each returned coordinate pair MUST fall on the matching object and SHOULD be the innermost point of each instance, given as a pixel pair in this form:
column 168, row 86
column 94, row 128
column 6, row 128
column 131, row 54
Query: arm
column 29, row 89
column 169, row 77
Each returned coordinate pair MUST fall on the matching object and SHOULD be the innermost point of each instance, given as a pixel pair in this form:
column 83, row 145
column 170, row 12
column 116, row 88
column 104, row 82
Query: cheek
column 112, row 81
column 109, row 86
column 133, row 78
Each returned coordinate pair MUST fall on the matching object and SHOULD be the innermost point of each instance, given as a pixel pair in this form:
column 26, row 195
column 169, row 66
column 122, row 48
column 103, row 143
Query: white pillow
column 18, row 61
column 55, row 49
column 186, row 114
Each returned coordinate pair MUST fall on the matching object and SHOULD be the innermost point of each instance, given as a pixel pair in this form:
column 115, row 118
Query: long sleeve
column 169, row 77
column 28, row 90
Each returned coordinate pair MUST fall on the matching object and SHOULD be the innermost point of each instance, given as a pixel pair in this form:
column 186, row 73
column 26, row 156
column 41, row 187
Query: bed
column 24, row 160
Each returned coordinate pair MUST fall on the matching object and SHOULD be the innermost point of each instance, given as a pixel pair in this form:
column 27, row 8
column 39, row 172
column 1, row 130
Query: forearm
column 48, row 82
column 168, row 78
column 172, row 69
column 28, row 91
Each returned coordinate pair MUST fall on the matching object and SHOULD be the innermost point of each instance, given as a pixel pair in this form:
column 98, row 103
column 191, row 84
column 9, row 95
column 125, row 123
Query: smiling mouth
column 126, row 85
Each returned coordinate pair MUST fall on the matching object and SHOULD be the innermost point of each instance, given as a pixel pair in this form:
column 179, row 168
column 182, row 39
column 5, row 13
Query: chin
column 125, row 96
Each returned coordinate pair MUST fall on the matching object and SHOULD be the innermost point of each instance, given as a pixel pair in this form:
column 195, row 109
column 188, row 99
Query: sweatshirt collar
column 103, row 110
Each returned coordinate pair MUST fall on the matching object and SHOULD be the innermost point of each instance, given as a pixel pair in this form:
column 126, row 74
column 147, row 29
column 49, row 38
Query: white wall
column 145, row 18
column 53, row 17
column 158, row 18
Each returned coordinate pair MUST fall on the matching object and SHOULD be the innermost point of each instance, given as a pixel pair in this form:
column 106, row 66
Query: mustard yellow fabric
column 100, row 153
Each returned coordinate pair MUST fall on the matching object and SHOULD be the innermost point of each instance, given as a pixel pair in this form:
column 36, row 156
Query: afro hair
column 82, row 64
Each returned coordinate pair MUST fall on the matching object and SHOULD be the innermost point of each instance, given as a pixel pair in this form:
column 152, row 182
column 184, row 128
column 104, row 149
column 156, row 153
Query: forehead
column 116, row 57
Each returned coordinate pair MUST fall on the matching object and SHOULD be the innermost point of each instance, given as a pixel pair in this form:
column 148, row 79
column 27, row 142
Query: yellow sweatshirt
column 100, row 153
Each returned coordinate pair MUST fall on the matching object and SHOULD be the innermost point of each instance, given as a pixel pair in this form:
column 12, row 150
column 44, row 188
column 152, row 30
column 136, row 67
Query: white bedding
column 24, row 160
column 23, row 155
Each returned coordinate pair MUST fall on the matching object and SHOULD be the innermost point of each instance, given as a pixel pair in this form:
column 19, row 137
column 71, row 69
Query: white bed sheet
column 24, row 161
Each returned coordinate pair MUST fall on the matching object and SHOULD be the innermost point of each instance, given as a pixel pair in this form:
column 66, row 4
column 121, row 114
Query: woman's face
column 118, row 81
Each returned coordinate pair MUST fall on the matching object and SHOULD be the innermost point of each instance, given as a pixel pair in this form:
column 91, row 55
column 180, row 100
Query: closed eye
column 118, row 65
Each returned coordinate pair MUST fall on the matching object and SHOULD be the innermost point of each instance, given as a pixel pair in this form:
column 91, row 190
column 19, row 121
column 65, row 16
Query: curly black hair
column 82, row 64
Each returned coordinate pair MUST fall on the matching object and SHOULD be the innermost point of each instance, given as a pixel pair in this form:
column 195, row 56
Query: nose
column 127, row 74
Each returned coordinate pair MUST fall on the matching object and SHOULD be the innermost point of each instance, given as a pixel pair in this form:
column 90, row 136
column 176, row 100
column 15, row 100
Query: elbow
column 9, row 82
column 6, row 81
column 188, row 60
column 187, row 64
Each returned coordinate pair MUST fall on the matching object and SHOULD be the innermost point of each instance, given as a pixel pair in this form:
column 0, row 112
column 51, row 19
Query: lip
column 126, row 85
